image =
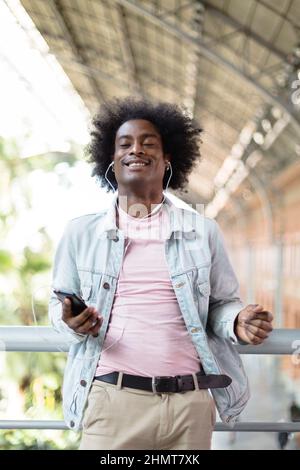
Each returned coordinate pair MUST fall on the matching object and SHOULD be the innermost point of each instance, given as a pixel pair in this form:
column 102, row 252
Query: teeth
column 137, row 164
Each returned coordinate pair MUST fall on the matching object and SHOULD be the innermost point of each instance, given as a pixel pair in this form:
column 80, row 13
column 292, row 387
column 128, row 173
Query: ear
column 167, row 158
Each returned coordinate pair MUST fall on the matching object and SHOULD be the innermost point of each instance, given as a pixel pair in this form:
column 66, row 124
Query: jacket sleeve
column 224, row 301
column 65, row 278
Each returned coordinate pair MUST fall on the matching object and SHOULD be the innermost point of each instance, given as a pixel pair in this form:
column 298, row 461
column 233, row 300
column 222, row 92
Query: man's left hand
column 253, row 324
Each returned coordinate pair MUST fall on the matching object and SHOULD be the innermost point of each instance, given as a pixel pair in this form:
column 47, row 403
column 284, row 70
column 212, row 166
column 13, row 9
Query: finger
column 253, row 339
column 254, row 308
column 67, row 309
column 262, row 315
column 265, row 315
column 87, row 325
column 87, row 314
column 96, row 322
column 68, row 315
column 258, row 332
column 264, row 325
column 95, row 329
column 257, row 307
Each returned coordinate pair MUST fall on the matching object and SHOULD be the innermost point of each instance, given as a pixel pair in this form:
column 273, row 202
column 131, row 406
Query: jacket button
column 83, row 383
column 180, row 284
column 195, row 330
column 72, row 424
column 106, row 285
column 116, row 239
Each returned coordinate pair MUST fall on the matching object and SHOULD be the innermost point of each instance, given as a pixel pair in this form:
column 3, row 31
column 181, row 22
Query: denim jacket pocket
column 89, row 295
column 89, row 284
column 204, row 288
column 86, row 292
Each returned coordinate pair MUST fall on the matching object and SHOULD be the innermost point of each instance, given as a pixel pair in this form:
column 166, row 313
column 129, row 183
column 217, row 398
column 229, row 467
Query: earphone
column 105, row 176
column 168, row 167
column 156, row 209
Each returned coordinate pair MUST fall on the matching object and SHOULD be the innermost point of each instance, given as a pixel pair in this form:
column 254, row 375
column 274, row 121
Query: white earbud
column 105, row 176
column 168, row 167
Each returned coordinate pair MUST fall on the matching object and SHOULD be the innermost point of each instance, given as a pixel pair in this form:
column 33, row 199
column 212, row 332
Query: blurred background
column 235, row 66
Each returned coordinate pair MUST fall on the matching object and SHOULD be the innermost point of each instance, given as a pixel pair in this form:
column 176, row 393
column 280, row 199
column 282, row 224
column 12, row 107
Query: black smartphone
column 78, row 304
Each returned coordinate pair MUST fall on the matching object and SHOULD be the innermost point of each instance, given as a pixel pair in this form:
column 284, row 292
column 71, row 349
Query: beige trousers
column 124, row 418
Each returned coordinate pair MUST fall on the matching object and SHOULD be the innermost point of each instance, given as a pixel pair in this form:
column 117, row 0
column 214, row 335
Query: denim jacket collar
column 181, row 219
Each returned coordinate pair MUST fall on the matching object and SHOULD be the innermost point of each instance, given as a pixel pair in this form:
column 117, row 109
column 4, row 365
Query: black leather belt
column 164, row 384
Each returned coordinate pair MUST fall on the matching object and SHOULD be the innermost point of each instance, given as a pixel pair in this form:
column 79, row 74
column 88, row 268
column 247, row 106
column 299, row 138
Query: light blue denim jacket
column 90, row 254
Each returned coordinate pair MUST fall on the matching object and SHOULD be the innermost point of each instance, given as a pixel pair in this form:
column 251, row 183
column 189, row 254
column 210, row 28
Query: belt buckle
column 158, row 381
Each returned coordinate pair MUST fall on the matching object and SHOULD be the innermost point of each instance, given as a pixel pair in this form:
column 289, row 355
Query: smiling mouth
column 136, row 164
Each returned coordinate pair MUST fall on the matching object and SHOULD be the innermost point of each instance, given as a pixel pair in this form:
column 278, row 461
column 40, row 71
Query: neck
column 139, row 205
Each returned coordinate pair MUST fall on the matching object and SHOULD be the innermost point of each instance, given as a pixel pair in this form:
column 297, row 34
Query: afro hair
column 179, row 133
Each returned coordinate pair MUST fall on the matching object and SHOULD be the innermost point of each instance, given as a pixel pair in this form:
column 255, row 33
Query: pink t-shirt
column 146, row 334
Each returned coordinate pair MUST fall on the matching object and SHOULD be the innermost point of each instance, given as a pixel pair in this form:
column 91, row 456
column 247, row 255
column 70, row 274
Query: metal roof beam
column 192, row 67
column 69, row 36
column 270, row 7
column 228, row 20
column 212, row 56
column 175, row 11
column 134, row 82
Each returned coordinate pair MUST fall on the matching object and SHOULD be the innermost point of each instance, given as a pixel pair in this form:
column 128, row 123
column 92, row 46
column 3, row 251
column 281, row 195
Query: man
column 164, row 309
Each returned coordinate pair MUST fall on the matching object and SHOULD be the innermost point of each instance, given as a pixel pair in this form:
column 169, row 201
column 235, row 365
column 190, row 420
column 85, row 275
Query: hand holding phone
column 78, row 316
column 77, row 302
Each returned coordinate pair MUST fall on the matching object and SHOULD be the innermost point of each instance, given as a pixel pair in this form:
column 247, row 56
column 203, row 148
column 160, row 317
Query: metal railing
column 45, row 339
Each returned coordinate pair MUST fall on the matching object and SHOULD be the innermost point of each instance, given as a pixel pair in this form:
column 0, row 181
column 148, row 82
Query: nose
column 137, row 148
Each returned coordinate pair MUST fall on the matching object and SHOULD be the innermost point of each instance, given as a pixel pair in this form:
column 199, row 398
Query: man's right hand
column 87, row 322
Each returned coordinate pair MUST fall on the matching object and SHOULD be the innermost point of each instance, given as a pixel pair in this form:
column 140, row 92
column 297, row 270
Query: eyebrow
column 142, row 135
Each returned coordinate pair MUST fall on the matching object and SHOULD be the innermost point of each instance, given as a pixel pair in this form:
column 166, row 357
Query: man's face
column 139, row 158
